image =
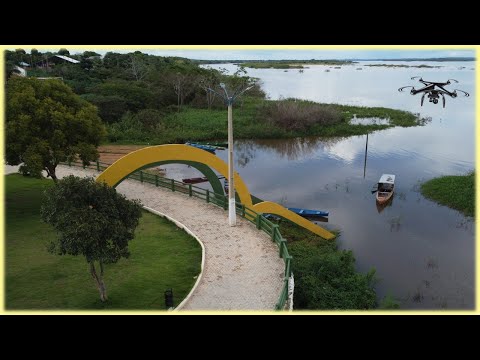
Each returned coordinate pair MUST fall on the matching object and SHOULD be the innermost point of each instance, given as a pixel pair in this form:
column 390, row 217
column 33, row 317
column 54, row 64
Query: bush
column 150, row 119
column 128, row 128
column 328, row 280
column 325, row 277
column 142, row 126
column 299, row 116
column 389, row 302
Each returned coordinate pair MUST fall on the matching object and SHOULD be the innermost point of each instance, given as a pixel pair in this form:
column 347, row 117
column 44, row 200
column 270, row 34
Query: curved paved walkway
column 242, row 270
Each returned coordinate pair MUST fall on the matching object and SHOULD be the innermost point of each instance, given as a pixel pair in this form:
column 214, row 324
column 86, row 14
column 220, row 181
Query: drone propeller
column 466, row 94
column 416, row 77
column 453, row 80
column 404, row 87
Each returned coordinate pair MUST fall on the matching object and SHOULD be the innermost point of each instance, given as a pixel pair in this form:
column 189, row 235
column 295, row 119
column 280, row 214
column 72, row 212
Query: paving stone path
column 242, row 270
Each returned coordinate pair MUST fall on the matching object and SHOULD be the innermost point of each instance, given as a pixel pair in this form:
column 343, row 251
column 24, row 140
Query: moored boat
column 196, row 180
column 386, row 187
column 203, row 147
column 307, row 212
column 218, row 146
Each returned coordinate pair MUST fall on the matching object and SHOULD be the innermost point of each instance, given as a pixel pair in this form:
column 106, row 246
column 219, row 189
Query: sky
column 307, row 54
column 275, row 54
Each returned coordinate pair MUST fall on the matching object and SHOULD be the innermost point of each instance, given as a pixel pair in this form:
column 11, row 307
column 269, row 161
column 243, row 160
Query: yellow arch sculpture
column 135, row 160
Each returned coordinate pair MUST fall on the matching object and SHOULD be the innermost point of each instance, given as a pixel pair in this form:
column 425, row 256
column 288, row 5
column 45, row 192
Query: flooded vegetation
column 369, row 121
column 404, row 66
column 291, row 64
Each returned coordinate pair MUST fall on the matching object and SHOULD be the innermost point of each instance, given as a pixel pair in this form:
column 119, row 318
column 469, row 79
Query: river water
column 423, row 253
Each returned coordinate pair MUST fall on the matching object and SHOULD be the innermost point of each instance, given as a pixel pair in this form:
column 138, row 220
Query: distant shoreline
column 337, row 61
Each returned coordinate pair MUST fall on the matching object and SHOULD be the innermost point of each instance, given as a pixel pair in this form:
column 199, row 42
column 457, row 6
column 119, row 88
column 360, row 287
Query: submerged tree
column 92, row 220
column 46, row 123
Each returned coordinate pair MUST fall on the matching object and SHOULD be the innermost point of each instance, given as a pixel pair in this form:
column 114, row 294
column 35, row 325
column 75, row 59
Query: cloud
column 277, row 54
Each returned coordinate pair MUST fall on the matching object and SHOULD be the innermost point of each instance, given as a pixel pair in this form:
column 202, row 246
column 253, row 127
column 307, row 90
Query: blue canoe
column 306, row 212
column 208, row 148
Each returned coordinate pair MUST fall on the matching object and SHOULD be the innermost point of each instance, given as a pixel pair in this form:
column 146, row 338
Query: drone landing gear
column 423, row 97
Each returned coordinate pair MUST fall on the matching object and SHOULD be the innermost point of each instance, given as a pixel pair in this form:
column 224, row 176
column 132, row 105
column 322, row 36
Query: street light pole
column 232, row 219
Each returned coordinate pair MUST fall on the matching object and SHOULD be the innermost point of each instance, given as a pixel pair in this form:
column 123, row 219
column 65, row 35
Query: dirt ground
column 111, row 153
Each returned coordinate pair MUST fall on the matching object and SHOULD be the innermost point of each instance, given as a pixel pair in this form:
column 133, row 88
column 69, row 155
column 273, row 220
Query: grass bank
column 456, row 192
column 257, row 119
column 162, row 257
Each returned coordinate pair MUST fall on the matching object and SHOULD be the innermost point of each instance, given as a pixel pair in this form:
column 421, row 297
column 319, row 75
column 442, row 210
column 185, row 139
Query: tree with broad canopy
column 46, row 123
column 92, row 220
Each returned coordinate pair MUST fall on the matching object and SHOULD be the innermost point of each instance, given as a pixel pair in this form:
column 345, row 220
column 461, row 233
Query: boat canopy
column 387, row 179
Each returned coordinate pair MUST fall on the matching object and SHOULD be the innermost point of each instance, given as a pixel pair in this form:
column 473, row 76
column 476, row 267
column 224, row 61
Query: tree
column 238, row 83
column 46, row 123
column 87, row 54
column 20, row 55
column 10, row 68
column 63, row 51
column 210, row 80
column 138, row 67
column 110, row 108
column 35, row 57
column 92, row 220
column 183, row 87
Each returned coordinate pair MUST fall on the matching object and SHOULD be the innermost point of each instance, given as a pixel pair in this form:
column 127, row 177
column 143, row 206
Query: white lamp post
column 229, row 100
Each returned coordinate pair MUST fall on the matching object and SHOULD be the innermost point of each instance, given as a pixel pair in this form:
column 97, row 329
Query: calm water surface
column 423, row 252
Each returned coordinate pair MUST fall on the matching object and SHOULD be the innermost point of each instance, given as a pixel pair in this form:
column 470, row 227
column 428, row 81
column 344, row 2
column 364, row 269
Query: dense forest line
column 134, row 92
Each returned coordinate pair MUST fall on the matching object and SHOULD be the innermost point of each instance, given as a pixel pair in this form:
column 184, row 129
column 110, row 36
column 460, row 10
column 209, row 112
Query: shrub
column 299, row 116
column 325, row 276
column 128, row 128
column 150, row 119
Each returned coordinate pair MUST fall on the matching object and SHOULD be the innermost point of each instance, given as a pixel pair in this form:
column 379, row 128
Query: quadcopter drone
column 434, row 90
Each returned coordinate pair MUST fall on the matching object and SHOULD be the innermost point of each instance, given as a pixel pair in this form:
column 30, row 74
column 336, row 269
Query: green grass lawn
column 457, row 192
column 162, row 257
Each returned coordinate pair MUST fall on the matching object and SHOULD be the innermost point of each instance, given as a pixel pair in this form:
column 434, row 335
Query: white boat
column 386, row 187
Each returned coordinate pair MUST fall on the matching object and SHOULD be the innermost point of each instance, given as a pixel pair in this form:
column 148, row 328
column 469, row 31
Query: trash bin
column 168, row 298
